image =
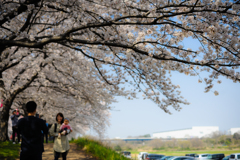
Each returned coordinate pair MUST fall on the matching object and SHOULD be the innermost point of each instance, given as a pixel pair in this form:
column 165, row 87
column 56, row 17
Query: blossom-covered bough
column 63, row 88
column 138, row 42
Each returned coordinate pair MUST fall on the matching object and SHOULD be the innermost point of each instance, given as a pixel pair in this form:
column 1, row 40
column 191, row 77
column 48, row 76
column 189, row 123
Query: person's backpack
column 55, row 130
column 55, row 127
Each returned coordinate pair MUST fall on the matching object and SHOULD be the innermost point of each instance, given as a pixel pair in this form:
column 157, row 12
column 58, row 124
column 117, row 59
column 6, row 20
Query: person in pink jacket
column 65, row 128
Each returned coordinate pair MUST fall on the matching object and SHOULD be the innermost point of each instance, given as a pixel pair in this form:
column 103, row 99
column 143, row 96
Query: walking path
column 73, row 154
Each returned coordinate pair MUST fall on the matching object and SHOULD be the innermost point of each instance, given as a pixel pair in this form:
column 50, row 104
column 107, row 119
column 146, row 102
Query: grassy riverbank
column 98, row 150
column 9, row 151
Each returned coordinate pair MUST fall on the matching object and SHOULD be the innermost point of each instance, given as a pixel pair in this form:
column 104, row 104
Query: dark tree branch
column 101, row 73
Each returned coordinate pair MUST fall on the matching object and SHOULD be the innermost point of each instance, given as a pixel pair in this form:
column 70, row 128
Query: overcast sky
column 139, row 117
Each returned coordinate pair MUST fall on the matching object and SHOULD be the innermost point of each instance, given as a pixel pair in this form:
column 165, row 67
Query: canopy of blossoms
column 135, row 42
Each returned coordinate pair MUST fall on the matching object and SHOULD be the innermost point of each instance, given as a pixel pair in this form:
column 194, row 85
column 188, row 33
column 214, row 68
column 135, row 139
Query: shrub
column 117, row 148
column 9, row 150
column 236, row 136
column 97, row 149
column 160, row 148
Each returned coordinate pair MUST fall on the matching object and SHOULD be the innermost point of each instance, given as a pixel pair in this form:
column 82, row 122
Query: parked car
column 181, row 158
column 191, row 154
column 165, row 158
column 219, row 156
column 126, row 154
column 201, row 156
column 154, row 156
column 142, row 155
column 235, row 156
column 226, row 158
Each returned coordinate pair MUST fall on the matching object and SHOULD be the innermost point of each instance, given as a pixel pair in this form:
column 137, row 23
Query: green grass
column 9, row 151
column 97, row 150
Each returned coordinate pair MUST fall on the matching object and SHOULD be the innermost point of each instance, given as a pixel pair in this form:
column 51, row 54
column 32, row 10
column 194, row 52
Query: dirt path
column 74, row 153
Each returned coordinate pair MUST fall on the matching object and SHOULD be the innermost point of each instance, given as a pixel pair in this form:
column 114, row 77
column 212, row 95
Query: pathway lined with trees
column 74, row 153
column 76, row 55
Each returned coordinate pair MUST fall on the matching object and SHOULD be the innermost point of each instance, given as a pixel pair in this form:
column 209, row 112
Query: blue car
column 226, row 158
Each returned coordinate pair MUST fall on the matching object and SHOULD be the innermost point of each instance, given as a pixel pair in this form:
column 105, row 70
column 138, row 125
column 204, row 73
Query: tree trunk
column 4, row 121
column 25, row 110
column 4, row 113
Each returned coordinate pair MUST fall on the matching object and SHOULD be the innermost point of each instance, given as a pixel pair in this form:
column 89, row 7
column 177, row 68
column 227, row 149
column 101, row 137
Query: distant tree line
column 216, row 140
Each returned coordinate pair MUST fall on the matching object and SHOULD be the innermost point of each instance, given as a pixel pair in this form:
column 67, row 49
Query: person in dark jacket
column 46, row 135
column 14, row 119
column 31, row 129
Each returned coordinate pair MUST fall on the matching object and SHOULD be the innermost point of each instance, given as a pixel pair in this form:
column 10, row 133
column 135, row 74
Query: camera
column 37, row 115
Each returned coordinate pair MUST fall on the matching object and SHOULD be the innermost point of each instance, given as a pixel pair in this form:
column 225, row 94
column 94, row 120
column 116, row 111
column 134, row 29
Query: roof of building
column 173, row 130
column 184, row 129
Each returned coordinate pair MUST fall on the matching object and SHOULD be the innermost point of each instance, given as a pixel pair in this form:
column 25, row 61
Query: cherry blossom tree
column 63, row 86
column 135, row 42
column 63, row 89
column 14, row 81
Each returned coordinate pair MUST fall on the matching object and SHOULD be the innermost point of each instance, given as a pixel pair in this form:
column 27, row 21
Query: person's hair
column 61, row 115
column 31, row 106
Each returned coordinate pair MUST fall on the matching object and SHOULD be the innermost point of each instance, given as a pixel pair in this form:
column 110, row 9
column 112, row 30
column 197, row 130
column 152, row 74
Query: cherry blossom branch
column 22, row 8
column 101, row 73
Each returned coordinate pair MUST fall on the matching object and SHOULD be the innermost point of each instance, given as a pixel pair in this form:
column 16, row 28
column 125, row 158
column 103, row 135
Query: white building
column 234, row 130
column 194, row 132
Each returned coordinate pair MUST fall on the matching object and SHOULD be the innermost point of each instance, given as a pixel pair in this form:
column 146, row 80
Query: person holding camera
column 31, row 129
column 14, row 119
